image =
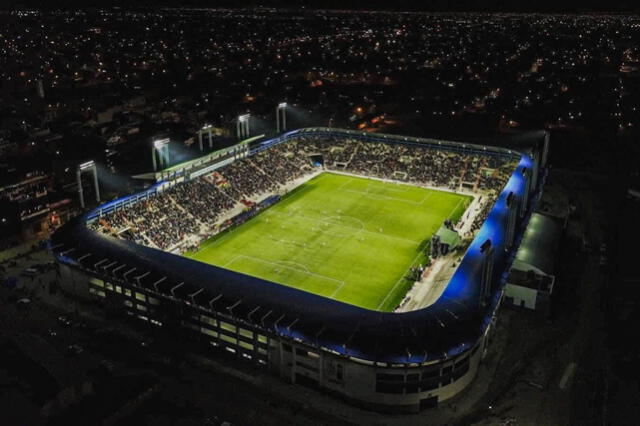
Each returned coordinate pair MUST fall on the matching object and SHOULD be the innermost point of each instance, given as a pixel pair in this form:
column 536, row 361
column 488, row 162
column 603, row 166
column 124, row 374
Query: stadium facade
column 394, row 362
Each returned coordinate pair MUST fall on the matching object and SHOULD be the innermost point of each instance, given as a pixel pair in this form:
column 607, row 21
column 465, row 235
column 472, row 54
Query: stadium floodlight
column 160, row 143
column 87, row 166
column 161, row 149
column 242, row 126
column 281, row 117
column 209, row 128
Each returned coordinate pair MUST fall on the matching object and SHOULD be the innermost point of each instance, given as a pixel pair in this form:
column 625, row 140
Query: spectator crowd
column 194, row 208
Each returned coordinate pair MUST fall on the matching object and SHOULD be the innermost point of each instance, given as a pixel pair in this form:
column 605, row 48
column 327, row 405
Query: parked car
column 24, row 302
column 29, row 272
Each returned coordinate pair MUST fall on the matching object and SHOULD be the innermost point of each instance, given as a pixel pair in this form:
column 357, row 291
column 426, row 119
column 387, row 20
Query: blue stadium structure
column 396, row 362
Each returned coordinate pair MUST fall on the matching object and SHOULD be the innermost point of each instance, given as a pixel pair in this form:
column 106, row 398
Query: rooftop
column 539, row 245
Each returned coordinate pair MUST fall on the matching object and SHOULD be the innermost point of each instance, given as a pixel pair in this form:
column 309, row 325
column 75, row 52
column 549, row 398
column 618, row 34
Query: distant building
column 31, row 199
column 7, row 144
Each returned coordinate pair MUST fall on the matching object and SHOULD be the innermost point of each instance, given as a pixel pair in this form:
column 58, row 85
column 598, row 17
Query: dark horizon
column 436, row 6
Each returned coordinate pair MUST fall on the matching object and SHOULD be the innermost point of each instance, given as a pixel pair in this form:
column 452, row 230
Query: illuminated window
column 228, row 338
column 229, row 327
column 245, row 345
column 246, row 333
column 97, row 282
column 141, row 297
column 208, row 332
column 97, row 292
column 208, row 320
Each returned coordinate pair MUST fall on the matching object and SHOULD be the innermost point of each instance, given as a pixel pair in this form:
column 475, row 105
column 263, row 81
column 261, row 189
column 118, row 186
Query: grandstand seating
column 194, row 207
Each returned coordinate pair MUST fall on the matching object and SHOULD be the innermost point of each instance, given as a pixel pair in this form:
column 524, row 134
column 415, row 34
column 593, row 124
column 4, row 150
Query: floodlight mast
column 242, row 126
column 209, row 129
column 87, row 166
column 281, row 117
column 160, row 147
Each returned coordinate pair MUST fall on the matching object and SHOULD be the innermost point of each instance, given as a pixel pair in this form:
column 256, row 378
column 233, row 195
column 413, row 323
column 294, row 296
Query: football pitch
column 347, row 238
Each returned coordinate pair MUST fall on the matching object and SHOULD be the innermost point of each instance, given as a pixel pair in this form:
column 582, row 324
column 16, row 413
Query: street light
column 281, row 117
column 242, row 126
column 87, row 166
column 161, row 146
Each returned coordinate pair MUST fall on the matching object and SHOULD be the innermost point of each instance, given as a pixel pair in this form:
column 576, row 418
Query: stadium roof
column 448, row 327
column 195, row 162
column 449, row 237
column 539, row 245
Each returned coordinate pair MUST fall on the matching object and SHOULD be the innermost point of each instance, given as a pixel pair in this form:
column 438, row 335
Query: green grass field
column 351, row 239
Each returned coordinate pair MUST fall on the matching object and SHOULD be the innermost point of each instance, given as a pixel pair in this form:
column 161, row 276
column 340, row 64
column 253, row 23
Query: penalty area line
column 339, row 283
column 393, row 289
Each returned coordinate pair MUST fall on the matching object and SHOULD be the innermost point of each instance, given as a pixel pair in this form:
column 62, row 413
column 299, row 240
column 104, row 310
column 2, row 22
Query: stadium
column 368, row 265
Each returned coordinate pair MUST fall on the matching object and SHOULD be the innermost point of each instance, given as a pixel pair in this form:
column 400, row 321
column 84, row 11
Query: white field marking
column 397, row 282
column 332, row 295
column 350, row 217
column 387, row 197
column 214, row 242
column 298, row 244
column 426, row 197
column 345, row 183
column 330, row 233
column 304, row 267
column 321, row 220
column 340, row 283
column 233, row 259
column 388, row 186
column 455, row 208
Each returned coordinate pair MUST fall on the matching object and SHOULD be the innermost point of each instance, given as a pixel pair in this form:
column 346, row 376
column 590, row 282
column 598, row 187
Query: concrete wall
column 518, row 294
column 372, row 385
column 356, row 380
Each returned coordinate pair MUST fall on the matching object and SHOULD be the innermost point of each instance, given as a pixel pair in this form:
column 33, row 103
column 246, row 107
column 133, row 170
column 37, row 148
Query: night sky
column 584, row 6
